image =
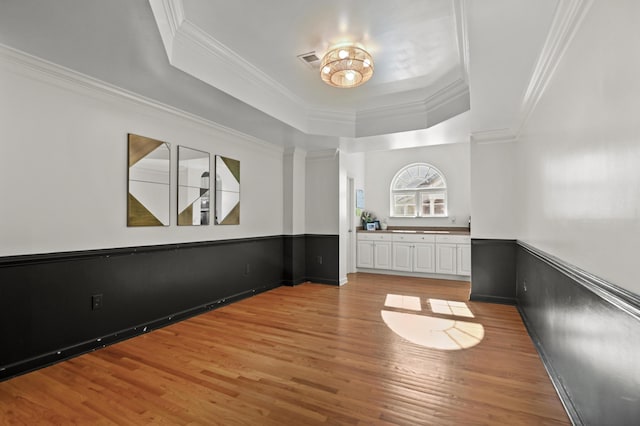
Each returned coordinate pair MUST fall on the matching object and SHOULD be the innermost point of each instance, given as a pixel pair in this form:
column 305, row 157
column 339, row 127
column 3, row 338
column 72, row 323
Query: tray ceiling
column 249, row 49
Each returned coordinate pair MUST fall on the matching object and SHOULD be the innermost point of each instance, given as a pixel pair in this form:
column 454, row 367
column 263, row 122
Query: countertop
column 419, row 230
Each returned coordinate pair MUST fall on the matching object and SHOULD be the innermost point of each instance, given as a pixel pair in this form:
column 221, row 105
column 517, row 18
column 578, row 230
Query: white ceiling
column 249, row 50
column 234, row 62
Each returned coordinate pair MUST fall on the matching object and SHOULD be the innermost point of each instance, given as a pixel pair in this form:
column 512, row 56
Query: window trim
column 418, row 194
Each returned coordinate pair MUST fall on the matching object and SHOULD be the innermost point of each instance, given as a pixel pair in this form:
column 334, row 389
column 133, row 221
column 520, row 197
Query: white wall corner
column 567, row 19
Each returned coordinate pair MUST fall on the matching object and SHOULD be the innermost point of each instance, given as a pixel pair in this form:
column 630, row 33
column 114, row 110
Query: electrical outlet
column 96, row 302
column 320, row 260
column 524, row 285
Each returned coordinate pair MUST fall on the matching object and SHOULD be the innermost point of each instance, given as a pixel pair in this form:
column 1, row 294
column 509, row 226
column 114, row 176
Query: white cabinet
column 374, row 251
column 446, row 258
column 414, row 253
column 453, row 254
column 364, row 254
column 402, row 257
column 422, row 253
column 424, row 258
column 463, row 257
column 382, row 255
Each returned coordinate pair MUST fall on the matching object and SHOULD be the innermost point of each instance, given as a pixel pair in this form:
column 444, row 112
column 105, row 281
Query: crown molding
column 567, row 19
column 293, row 151
column 331, row 122
column 486, row 137
column 332, row 116
column 31, row 66
column 324, row 154
column 462, row 35
column 169, row 16
column 233, row 61
column 192, row 50
column 439, row 98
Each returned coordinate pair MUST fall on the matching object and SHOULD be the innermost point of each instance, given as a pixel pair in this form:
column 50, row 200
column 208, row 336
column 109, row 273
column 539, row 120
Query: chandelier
column 346, row 67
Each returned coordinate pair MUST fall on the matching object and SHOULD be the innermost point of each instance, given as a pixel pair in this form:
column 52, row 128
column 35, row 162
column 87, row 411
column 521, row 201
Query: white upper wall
column 355, row 164
column 451, row 159
column 579, row 154
column 294, row 187
column 322, row 196
column 505, row 39
column 493, row 189
column 63, row 164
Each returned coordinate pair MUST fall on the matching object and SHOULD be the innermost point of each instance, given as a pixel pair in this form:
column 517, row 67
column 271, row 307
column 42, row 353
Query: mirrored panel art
column 148, row 192
column 193, row 187
column 227, row 191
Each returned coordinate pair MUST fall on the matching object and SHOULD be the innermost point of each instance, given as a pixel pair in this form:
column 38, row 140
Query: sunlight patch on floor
column 399, row 301
column 450, row 307
column 428, row 331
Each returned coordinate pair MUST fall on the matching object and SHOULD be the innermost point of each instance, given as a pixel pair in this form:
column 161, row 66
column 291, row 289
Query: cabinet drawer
column 415, row 238
column 373, row 236
column 453, row 239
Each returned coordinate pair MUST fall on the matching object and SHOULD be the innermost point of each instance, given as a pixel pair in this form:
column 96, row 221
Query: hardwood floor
column 305, row 355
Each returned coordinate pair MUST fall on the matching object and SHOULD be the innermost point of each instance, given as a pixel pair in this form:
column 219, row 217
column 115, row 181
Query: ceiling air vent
column 311, row 59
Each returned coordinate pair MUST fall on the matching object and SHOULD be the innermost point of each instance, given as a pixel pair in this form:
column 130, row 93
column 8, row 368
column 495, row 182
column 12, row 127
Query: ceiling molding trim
column 567, row 19
column 331, row 122
column 169, row 15
column 192, row 50
column 234, row 61
column 434, row 101
column 407, row 108
column 452, row 91
column 486, row 137
column 37, row 68
column 175, row 12
column 324, row 154
column 332, row 116
column 294, row 151
column 462, row 35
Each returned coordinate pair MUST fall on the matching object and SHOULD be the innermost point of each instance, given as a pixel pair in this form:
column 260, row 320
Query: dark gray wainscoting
column 322, row 258
column 46, row 312
column 587, row 332
column 493, row 271
column 46, row 300
column 294, row 268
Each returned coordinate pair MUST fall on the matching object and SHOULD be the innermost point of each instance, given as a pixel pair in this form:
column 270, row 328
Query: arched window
column 418, row 190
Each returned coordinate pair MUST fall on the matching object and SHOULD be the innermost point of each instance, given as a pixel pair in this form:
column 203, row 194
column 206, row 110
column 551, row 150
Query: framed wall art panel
column 227, row 191
column 148, row 181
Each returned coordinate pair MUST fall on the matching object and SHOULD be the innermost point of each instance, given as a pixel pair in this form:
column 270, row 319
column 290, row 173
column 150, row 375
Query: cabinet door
column 365, row 254
column 382, row 255
column 402, row 257
column 446, row 259
column 463, row 259
column 424, row 258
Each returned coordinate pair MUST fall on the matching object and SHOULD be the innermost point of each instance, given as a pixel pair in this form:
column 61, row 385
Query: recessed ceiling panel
column 250, row 50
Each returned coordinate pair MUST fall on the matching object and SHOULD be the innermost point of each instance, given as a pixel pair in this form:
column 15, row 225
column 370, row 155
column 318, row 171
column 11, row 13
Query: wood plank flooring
column 306, row 355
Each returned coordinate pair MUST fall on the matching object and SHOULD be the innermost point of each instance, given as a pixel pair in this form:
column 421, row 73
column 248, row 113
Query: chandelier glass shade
column 346, row 67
